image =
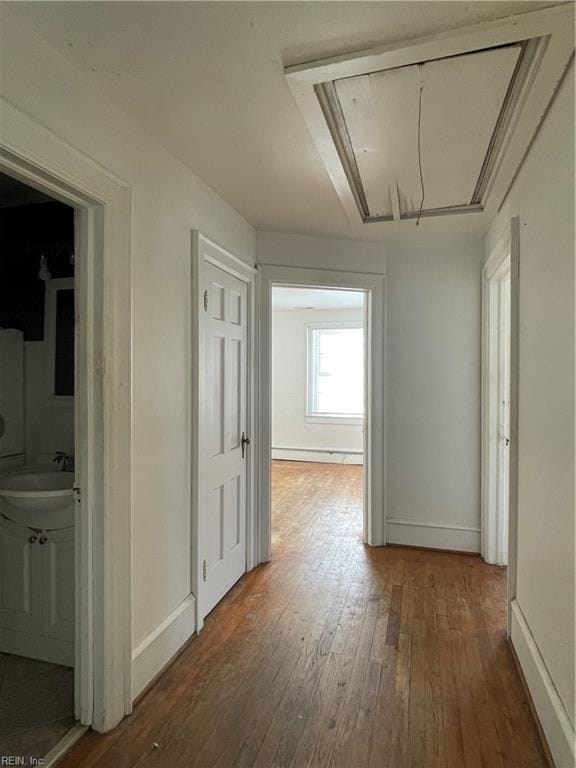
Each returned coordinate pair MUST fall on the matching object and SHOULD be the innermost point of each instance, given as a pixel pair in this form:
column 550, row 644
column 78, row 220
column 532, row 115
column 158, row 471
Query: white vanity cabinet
column 37, row 592
column 58, row 584
column 20, row 567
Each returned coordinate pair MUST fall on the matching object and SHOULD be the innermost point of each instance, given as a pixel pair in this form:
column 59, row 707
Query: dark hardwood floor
column 336, row 654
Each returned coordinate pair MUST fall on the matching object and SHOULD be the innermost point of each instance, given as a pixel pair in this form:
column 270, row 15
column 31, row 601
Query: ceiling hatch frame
column 546, row 38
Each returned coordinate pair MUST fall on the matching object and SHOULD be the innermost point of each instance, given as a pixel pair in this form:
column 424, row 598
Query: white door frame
column 495, row 522
column 103, row 647
column 504, row 258
column 374, row 286
column 206, row 251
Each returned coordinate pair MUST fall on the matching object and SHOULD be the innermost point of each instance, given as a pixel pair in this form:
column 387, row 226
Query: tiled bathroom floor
column 36, row 706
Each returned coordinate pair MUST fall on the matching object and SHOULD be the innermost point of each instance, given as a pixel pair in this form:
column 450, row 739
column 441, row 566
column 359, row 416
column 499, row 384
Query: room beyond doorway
column 318, row 389
column 373, row 286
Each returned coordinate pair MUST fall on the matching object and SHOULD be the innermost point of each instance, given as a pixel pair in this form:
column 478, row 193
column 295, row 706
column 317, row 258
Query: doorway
column 318, row 407
column 500, row 403
column 37, row 477
column 498, row 393
column 102, row 648
column 373, row 381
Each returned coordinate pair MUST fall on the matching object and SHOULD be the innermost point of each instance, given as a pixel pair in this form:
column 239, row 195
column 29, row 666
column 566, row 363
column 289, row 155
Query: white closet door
column 222, row 512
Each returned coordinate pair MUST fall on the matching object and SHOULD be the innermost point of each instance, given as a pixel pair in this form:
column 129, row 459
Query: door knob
column 244, row 441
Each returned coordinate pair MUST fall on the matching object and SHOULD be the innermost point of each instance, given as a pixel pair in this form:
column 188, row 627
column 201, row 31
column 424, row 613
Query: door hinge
column 204, row 570
column 206, row 300
column 76, row 492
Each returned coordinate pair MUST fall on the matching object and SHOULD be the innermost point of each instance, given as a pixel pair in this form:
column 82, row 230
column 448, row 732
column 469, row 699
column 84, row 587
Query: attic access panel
column 485, row 91
column 462, row 98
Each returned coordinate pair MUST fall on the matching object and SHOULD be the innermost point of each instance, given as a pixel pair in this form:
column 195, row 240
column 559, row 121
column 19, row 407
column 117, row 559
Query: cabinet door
column 20, row 598
column 58, row 584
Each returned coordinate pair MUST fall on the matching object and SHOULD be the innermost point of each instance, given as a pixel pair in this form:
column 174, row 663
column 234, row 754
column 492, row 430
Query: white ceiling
column 207, row 80
column 315, row 298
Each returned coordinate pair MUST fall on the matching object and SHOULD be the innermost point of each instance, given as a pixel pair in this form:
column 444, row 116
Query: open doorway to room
column 37, row 449
column 318, row 414
column 499, row 423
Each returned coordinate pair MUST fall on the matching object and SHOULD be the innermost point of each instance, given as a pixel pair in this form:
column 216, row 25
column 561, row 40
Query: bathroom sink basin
column 41, row 500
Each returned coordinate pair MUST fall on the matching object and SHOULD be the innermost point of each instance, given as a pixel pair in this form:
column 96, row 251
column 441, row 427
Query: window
column 335, row 371
column 59, row 330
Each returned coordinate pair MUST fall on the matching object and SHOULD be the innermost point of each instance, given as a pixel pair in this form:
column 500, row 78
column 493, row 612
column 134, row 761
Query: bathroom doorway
column 37, row 450
column 101, row 204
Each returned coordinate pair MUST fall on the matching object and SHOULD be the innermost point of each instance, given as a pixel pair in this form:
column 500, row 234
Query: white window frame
column 311, row 415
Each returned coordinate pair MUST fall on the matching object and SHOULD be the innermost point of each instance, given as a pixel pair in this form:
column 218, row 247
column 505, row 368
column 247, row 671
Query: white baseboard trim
column 160, row 645
column 322, row 455
column 554, row 719
column 432, row 535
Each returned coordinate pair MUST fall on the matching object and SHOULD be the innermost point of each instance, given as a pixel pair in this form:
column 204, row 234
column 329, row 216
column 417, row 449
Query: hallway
column 337, row 655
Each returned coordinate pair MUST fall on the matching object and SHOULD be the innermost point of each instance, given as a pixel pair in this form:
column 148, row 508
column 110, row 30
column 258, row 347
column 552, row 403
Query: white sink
column 42, row 500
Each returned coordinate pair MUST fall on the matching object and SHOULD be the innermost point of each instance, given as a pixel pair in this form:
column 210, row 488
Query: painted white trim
column 158, row 647
column 507, row 245
column 205, row 251
column 416, row 533
column 553, row 717
column 229, row 259
column 321, row 455
column 335, row 420
column 374, row 285
column 494, row 536
column 311, row 414
column 345, row 451
column 556, row 24
column 34, row 155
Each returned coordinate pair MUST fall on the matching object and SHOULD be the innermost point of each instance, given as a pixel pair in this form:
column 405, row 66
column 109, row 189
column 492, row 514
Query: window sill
column 339, row 421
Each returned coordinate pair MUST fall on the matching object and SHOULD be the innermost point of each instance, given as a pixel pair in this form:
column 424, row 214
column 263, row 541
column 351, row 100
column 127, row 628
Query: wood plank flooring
column 336, row 654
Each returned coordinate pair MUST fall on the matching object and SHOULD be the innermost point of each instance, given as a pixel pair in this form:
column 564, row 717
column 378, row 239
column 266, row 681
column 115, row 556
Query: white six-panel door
column 222, row 451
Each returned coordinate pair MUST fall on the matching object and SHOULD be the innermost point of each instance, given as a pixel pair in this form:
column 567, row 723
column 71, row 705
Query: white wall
column 290, row 429
column 433, row 376
column 434, row 313
column 168, row 203
column 320, row 252
column 47, row 427
column 543, row 198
